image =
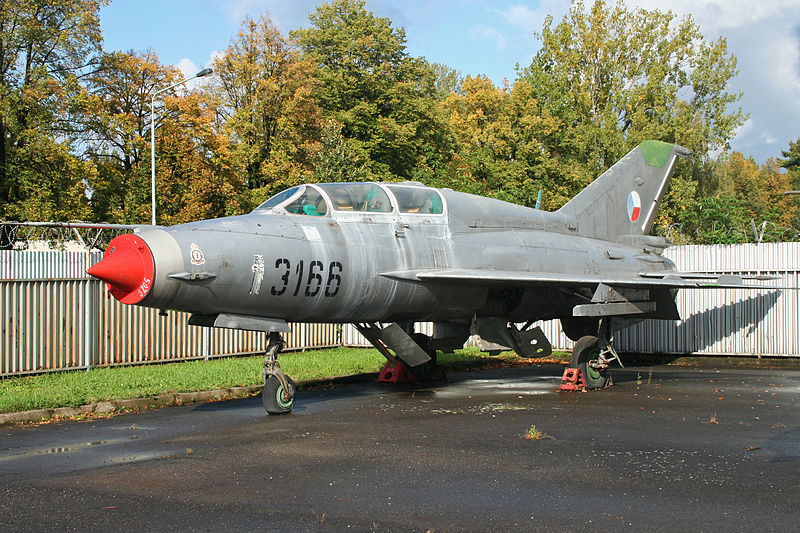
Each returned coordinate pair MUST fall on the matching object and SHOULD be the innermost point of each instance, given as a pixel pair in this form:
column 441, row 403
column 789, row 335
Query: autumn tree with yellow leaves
column 342, row 100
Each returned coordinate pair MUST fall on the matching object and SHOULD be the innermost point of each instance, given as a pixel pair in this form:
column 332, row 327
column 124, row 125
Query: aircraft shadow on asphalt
column 350, row 390
column 621, row 375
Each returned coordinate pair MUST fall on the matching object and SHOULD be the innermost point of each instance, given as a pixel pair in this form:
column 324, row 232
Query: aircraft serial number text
column 312, row 282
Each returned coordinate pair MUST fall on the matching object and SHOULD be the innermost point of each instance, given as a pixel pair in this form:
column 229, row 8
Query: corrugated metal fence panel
column 53, row 264
column 351, row 336
column 43, row 325
column 71, row 324
column 50, row 323
column 130, row 334
column 728, row 321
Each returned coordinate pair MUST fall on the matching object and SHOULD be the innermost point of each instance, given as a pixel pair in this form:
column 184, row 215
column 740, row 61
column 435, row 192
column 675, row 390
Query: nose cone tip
column 127, row 268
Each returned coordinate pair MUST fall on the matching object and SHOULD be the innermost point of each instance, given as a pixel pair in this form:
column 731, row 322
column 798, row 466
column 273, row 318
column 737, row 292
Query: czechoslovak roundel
column 634, row 206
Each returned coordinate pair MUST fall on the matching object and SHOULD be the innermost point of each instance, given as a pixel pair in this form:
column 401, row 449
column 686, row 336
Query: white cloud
column 533, row 19
column 215, row 54
column 189, row 69
column 485, row 33
column 715, row 16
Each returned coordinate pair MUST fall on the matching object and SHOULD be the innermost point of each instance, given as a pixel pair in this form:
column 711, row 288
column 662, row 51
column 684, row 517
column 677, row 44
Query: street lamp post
column 204, row 72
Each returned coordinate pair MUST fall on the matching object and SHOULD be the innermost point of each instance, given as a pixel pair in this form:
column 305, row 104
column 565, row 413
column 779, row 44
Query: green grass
column 79, row 387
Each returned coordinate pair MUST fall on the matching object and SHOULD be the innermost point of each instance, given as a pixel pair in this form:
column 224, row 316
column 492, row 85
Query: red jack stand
column 396, row 372
column 573, row 380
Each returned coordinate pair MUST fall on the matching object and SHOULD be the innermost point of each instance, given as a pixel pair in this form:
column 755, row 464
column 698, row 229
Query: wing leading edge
column 648, row 295
column 667, row 279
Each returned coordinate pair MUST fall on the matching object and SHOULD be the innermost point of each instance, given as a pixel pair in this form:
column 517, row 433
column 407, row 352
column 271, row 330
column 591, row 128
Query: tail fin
column 625, row 198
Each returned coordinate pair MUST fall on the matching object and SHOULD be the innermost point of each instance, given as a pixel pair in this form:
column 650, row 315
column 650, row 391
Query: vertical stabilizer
column 625, row 198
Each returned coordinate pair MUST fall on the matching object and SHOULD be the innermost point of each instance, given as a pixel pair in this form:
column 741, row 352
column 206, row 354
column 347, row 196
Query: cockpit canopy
column 319, row 199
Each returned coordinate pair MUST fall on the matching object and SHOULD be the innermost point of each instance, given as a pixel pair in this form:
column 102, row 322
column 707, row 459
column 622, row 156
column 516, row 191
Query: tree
column 339, row 159
column 384, row 99
column 195, row 174
column 268, row 108
column 792, row 162
column 46, row 46
column 615, row 77
column 744, row 196
column 116, row 130
column 446, row 80
column 193, row 171
column 499, row 147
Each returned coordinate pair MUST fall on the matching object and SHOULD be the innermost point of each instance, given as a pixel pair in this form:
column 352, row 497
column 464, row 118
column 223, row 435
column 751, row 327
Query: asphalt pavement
column 665, row 449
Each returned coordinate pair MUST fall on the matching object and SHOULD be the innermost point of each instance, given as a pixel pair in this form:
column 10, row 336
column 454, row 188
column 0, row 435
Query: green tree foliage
column 342, row 100
column 116, row 132
column 384, row 99
column 267, row 93
column 446, row 80
column 339, row 159
column 500, row 149
column 45, row 46
column 744, row 196
column 791, row 162
column 615, row 76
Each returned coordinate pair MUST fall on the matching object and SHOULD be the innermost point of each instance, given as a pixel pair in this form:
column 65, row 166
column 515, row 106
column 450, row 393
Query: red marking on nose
column 127, row 268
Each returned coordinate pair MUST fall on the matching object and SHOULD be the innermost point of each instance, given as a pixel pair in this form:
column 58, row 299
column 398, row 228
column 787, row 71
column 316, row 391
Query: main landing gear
column 278, row 393
column 592, row 355
column 414, row 357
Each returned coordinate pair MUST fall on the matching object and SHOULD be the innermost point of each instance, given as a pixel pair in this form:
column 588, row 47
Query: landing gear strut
column 278, row 393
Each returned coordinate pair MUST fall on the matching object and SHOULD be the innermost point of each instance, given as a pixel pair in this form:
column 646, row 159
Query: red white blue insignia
column 634, row 206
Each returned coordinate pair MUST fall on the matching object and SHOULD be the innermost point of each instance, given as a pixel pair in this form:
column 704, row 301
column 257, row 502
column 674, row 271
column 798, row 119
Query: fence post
column 205, row 336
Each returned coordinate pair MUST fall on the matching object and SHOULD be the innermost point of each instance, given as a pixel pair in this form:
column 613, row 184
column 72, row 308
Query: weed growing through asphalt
column 534, row 434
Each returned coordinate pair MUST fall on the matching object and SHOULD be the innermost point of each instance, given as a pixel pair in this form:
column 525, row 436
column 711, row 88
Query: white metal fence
column 54, row 318
column 729, row 321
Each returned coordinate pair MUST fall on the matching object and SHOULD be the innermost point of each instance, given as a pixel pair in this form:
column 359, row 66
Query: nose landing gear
column 278, row 393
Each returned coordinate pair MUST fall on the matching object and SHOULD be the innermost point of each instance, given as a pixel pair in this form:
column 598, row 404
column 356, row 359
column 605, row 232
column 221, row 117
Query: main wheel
column 273, row 399
column 428, row 371
column 587, row 351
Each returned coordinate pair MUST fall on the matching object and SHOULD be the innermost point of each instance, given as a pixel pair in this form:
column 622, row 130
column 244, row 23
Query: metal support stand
column 572, row 381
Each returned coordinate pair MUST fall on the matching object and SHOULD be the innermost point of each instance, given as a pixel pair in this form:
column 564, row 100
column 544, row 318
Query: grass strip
column 80, row 387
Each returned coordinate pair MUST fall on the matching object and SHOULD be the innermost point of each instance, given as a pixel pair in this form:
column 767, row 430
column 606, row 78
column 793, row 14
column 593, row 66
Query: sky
column 492, row 37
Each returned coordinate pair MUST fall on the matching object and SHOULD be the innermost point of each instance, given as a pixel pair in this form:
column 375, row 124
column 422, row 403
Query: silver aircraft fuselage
column 358, row 266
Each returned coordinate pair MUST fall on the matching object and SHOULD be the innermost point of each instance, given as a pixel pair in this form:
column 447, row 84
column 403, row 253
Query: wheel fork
column 271, row 365
column 607, row 354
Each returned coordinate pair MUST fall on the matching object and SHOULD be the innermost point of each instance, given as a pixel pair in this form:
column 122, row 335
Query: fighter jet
column 386, row 255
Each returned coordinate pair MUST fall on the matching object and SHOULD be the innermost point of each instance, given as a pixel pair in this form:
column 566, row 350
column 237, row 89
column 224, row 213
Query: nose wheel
column 277, row 398
column 278, row 393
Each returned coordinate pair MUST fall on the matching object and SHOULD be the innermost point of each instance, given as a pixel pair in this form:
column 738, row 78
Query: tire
column 576, row 327
column 586, row 350
column 430, row 370
column 272, row 396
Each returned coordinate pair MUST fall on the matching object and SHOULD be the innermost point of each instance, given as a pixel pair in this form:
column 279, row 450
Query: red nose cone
column 127, row 268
